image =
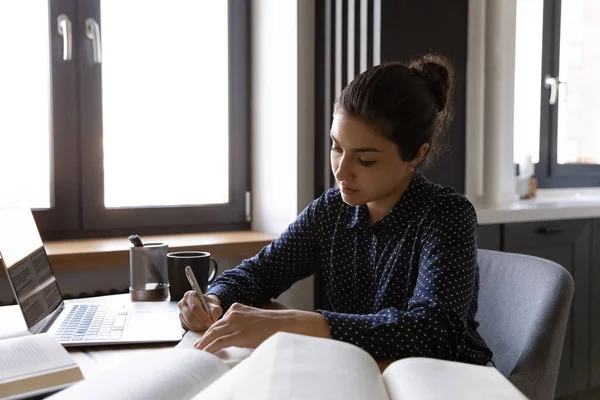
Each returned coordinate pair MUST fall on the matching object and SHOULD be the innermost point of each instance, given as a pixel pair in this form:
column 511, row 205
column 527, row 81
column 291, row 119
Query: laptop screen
column 27, row 265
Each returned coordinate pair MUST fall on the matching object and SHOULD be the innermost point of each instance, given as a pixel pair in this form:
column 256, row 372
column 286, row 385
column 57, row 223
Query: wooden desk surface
column 92, row 359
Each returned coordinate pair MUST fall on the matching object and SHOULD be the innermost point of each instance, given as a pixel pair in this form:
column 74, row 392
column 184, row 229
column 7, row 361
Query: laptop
column 74, row 323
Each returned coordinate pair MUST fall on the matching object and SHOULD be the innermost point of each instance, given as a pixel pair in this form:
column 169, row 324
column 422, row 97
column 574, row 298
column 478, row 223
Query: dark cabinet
column 567, row 243
column 488, row 237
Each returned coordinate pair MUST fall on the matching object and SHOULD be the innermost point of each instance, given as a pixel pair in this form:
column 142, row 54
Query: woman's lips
column 347, row 190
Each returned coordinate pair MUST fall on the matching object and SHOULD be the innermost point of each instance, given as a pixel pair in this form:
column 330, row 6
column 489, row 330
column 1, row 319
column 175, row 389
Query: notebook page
column 163, row 374
column 231, row 356
column 432, row 379
column 290, row 366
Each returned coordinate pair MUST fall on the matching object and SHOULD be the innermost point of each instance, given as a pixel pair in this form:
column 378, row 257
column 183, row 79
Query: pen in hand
column 196, row 287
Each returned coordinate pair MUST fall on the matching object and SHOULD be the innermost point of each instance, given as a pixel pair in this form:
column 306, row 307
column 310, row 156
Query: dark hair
column 408, row 103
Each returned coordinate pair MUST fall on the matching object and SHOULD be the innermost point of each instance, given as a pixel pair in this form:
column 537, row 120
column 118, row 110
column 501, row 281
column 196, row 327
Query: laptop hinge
column 46, row 323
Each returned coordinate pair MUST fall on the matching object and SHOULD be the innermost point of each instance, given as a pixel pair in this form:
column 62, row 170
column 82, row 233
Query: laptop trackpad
column 158, row 325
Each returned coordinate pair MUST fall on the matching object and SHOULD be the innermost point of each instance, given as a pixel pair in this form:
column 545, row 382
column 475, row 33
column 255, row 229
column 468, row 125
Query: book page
column 227, row 387
column 231, row 356
column 429, row 379
column 291, row 366
column 95, row 359
column 162, row 374
column 31, row 355
column 34, row 365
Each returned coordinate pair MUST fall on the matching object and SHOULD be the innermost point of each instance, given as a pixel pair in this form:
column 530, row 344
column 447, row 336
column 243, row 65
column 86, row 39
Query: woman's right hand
column 192, row 314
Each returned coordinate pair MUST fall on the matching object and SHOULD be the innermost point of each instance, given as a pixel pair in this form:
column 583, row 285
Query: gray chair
column 524, row 304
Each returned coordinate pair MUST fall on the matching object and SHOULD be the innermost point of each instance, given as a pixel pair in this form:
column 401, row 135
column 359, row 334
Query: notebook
column 77, row 323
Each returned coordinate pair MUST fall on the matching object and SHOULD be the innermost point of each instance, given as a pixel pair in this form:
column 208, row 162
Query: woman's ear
column 420, row 155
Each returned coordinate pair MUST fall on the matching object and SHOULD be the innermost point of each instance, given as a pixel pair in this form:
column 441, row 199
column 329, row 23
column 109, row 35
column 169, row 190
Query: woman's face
column 367, row 167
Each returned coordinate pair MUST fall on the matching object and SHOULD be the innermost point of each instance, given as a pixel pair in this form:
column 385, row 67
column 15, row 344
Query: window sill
column 576, row 193
column 114, row 252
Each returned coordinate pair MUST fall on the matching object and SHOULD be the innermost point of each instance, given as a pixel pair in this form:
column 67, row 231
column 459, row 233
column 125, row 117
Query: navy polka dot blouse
column 403, row 286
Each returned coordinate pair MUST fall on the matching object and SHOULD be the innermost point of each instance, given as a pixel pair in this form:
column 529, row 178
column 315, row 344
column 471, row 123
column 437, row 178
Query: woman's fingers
column 184, row 323
column 191, row 321
column 219, row 328
column 198, row 314
column 215, row 311
column 192, row 313
column 222, row 342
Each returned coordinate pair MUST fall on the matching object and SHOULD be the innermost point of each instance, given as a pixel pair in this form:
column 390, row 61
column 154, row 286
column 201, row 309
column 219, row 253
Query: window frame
column 64, row 181
column 78, row 209
column 548, row 172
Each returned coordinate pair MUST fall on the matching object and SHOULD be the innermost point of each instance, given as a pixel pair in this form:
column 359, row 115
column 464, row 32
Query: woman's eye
column 366, row 163
column 336, row 149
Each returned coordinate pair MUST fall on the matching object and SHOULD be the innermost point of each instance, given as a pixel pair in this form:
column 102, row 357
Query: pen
column 194, row 283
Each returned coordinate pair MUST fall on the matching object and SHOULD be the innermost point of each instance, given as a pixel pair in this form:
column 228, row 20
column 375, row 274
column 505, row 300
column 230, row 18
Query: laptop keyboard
column 91, row 322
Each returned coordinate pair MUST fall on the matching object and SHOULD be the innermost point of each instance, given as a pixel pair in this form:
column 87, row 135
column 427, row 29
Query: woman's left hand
column 245, row 326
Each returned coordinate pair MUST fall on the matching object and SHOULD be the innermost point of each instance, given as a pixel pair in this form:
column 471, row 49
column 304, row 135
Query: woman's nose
column 343, row 171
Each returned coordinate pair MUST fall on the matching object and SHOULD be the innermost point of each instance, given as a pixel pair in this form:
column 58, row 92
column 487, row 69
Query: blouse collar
column 359, row 215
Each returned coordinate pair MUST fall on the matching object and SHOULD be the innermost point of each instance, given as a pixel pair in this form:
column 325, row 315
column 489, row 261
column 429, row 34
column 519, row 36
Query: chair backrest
column 523, row 308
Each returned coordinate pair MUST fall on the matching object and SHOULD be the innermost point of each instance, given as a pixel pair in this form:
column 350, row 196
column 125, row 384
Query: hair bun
column 437, row 71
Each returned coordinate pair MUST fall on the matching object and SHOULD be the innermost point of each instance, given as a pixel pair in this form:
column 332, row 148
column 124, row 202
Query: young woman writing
column 397, row 252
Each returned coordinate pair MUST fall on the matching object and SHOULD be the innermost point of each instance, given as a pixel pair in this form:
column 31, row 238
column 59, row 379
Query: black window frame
column 76, row 167
column 64, row 141
column 548, row 172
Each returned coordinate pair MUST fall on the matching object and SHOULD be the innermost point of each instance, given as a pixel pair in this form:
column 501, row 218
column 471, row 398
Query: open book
column 33, row 365
column 290, row 366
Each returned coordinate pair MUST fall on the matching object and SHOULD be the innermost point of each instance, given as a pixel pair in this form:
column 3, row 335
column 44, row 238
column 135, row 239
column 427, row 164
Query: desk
column 92, row 359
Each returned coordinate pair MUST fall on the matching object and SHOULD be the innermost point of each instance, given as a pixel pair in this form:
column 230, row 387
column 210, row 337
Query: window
column 126, row 116
column 558, row 38
column 528, row 64
column 25, row 82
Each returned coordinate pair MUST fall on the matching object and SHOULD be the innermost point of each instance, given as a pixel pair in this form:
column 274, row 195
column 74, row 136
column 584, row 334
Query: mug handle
column 214, row 272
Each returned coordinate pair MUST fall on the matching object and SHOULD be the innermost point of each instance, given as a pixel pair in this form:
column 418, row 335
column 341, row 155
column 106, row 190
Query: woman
column 397, row 252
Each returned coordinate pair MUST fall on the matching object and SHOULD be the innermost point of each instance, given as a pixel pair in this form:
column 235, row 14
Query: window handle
column 92, row 31
column 553, row 83
column 64, row 30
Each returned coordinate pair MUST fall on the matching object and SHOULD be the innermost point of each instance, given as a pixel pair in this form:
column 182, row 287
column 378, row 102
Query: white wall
column 490, row 172
column 283, row 121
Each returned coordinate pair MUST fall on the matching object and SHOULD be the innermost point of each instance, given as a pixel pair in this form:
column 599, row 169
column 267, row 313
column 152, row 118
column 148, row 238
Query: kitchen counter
column 549, row 204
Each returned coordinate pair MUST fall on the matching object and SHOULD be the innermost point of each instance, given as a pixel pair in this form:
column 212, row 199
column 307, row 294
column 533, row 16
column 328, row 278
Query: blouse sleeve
column 434, row 324
column 289, row 258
